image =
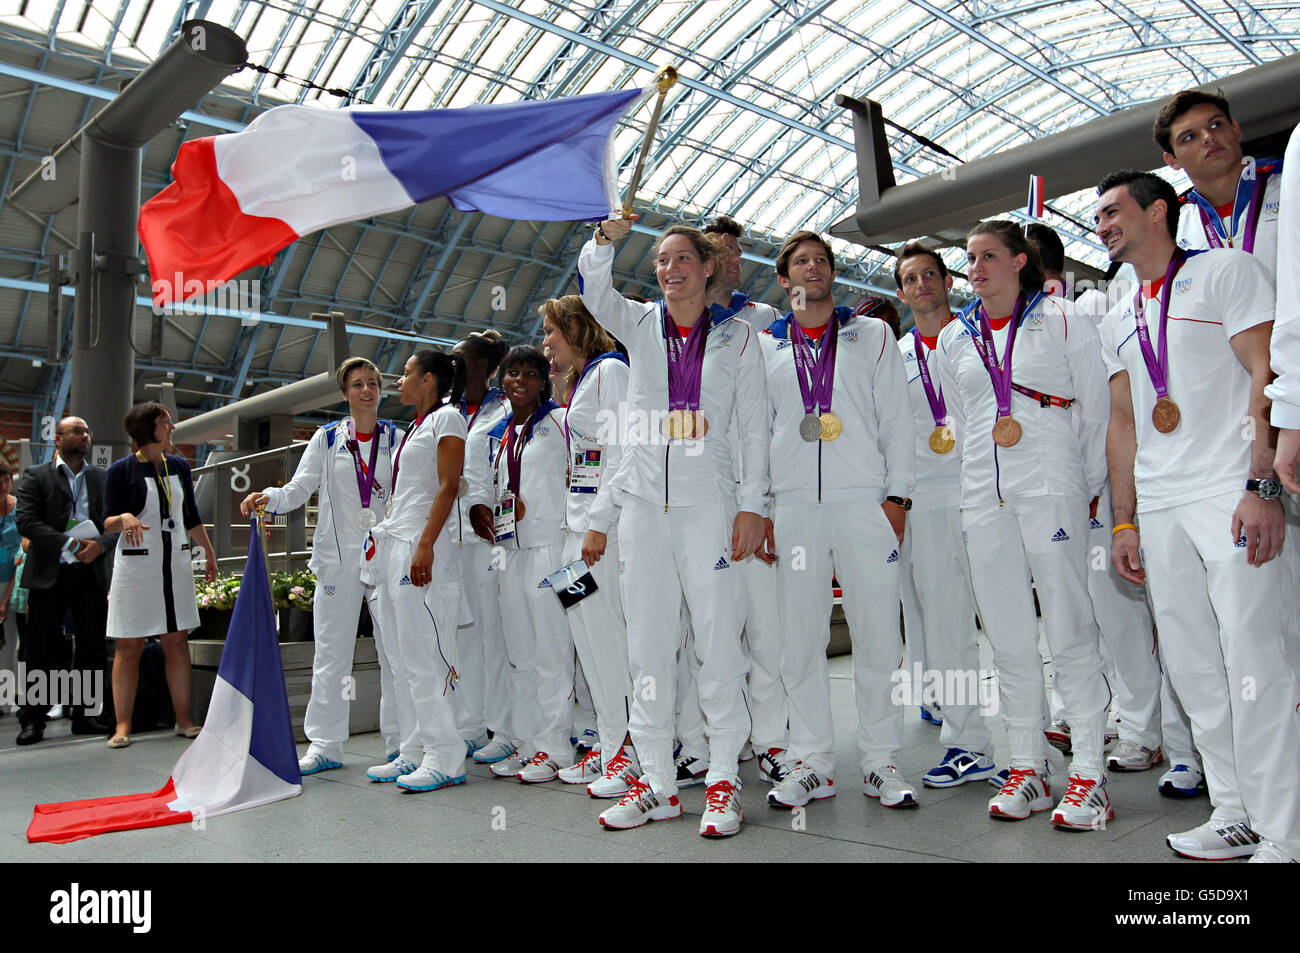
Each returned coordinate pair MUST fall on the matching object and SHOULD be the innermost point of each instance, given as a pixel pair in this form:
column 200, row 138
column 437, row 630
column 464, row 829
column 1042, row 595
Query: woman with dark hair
column 696, row 390
column 526, row 524
column 10, row 546
column 348, row 465
column 482, row 697
column 415, row 561
column 1016, row 372
column 150, row 497
column 593, row 387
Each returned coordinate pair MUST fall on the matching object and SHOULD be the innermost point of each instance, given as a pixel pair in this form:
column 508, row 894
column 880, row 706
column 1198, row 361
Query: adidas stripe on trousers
column 855, row 543
column 1046, row 538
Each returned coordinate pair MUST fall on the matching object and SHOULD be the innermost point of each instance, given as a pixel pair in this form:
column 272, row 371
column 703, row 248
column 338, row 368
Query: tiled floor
column 343, row 817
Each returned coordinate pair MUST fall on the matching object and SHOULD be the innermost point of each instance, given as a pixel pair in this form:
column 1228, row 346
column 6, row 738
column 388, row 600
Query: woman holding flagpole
column 527, row 486
column 414, row 559
column 593, row 388
column 693, row 379
column 1015, row 373
column 349, row 465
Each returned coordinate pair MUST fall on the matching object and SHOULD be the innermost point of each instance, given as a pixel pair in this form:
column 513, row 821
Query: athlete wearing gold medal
column 1022, row 356
column 840, row 497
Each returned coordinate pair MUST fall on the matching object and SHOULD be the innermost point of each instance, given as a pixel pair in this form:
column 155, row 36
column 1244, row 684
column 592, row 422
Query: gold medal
column 1006, row 432
column 941, row 440
column 1165, row 415
column 675, row 424
column 831, row 426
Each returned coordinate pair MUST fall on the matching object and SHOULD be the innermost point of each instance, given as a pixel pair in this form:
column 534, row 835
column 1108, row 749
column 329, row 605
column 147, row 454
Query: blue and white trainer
column 476, row 744
column 958, row 767
column 498, row 749
column 932, row 713
column 1182, row 780
column 391, row 771
column 425, row 779
column 313, row 762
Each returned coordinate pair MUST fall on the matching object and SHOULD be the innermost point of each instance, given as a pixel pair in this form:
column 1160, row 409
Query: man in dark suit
column 52, row 499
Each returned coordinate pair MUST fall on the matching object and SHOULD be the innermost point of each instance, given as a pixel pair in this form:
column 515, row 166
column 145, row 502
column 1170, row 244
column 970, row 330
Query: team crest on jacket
column 328, row 590
column 848, row 336
column 541, row 431
column 1035, row 323
column 1182, row 285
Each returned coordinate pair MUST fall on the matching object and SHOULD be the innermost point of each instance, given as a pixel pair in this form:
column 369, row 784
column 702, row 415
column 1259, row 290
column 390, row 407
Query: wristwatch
column 1267, row 489
column 904, row 501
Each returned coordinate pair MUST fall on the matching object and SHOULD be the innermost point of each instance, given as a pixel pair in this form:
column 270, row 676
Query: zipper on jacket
column 819, row 471
column 997, row 478
column 667, row 447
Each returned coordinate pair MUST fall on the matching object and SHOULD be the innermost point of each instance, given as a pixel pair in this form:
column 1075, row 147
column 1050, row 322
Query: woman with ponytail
column 415, row 561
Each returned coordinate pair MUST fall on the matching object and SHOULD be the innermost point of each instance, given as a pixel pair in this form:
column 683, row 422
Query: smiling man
column 1187, row 358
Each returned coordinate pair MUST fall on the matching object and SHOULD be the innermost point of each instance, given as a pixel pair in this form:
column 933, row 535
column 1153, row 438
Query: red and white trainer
column 722, row 812
column 640, row 805
column 586, row 770
column 1085, row 806
column 613, row 781
column 539, row 770
column 1024, row 793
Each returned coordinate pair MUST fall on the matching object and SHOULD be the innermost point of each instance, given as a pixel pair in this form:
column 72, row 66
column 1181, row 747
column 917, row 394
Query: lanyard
column 365, row 475
column 1255, row 206
column 491, row 395
column 1157, row 364
column 938, row 409
column 1000, row 375
column 514, row 449
column 815, row 373
column 578, row 383
column 685, row 361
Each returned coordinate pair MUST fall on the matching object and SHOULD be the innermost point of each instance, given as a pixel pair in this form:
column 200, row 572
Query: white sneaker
column 614, row 780
column 1058, row 736
column 1024, row 793
column 1085, row 806
column 746, row 752
column 640, row 805
column 1215, row 840
column 1131, row 756
column 1182, row 780
column 887, row 784
column 476, row 744
column 540, row 769
column 425, row 779
column 498, row 749
column 313, row 762
column 773, row 766
column 508, row 767
column 722, row 812
column 588, row 769
column 391, row 771
column 691, row 770
column 1269, row 853
column 801, row 785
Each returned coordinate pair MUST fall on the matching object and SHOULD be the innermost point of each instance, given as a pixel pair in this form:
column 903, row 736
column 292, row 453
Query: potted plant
column 297, row 590
column 216, row 603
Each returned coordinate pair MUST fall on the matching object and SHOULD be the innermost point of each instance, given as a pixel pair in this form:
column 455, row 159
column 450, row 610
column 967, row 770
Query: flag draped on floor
column 245, row 755
column 238, row 199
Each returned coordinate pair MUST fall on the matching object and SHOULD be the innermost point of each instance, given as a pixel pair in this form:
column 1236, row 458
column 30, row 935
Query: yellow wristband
column 1123, row 526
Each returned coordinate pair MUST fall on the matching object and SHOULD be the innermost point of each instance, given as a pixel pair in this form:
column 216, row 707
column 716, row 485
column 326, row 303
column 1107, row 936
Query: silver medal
column 810, row 428
column 366, row 519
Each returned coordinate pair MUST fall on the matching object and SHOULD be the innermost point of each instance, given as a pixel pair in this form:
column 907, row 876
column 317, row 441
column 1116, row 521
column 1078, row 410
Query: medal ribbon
column 491, row 395
column 397, row 457
column 514, row 449
column 938, row 409
column 365, row 476
column 1256, row 205
column 1157, row 366
column 815, row 373
column 685, row 361
column 1001, row 376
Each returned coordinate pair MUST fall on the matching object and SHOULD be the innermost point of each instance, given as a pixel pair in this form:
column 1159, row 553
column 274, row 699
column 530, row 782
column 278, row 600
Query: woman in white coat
column 349, row 465
column 593, row 387
column 413, row 556
column 150, row 497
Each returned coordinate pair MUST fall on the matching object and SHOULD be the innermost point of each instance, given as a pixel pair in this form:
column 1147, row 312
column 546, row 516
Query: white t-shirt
column 418, row 479
column 1215, row 295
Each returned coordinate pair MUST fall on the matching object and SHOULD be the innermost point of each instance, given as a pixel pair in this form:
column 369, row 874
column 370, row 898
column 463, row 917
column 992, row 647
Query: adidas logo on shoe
column 722, row 564
column 893, row 558
column 1060, row 536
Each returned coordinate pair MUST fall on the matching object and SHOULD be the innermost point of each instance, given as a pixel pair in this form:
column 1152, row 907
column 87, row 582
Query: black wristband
column 600, row 227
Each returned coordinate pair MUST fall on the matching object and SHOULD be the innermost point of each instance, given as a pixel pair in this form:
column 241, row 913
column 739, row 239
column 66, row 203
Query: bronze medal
column 520, row 509
column 831, row 426
column 1165, row 415
column 941, row 440
column 699, row 425
column 1006, row 432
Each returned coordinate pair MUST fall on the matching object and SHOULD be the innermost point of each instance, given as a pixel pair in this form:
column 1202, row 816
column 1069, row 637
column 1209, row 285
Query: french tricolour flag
column 237, row 199
column 1036, row 201
column 245, row 755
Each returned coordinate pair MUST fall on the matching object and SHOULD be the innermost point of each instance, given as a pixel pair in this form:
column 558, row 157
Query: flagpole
column 665, row 79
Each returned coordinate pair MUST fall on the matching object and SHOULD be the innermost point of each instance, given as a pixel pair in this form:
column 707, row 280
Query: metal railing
column 224, row 506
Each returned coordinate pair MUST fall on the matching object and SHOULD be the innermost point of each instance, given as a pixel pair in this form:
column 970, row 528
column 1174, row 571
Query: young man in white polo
column 1191, row 458
column 843, row 468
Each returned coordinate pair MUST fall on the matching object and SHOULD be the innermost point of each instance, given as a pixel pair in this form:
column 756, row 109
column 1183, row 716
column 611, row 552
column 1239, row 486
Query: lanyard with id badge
column 585, row 456
column 509, row 508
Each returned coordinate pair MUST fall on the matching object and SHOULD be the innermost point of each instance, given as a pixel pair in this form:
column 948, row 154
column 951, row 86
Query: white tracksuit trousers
column 334, row 627
column 1224, row 626
column 422, row 652
column 855, row 543
column 600, row 635
column 941, row 624
column 684, row 553
column 540, row 651
column 1046, row 538
column 482, row 700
